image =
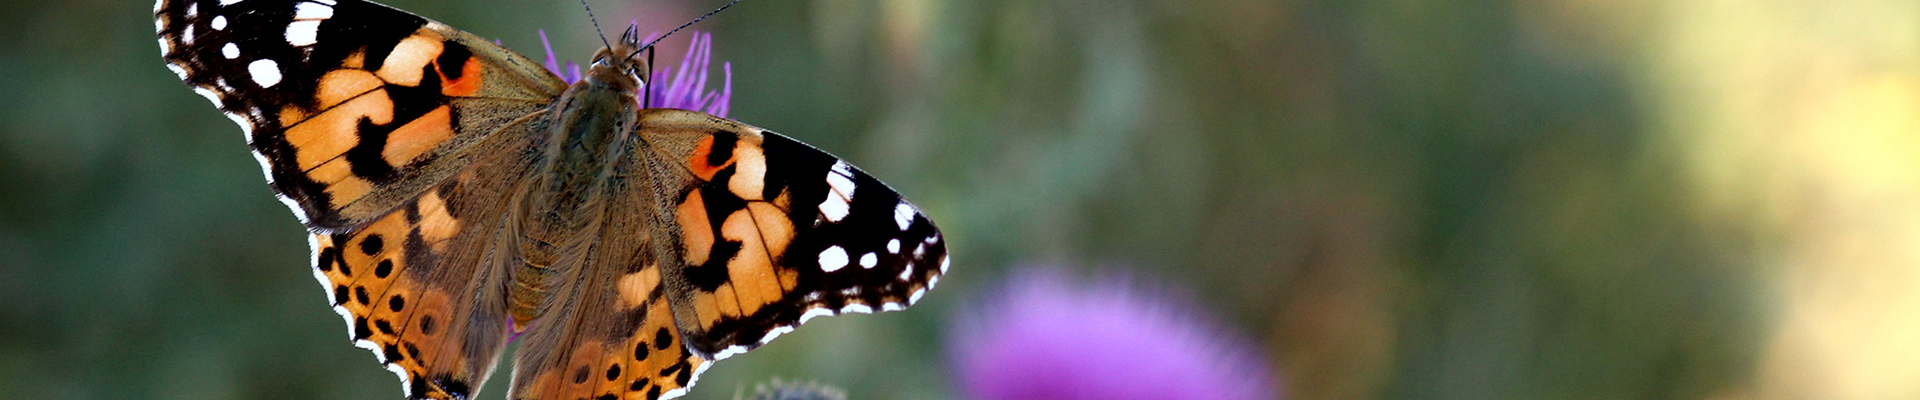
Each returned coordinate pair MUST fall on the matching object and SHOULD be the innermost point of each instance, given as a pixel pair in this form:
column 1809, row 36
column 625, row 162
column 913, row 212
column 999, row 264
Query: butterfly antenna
column 596, row 24
column 647, row 102
column 682, row 26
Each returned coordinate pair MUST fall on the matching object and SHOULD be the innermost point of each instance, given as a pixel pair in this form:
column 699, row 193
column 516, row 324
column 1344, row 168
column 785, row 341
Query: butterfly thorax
column 587, row 135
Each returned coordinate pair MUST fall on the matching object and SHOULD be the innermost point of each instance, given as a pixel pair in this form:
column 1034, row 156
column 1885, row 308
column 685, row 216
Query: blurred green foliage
column 1455, row 199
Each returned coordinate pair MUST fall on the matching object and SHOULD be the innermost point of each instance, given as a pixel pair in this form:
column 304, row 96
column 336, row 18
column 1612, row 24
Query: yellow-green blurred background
column 1441, row 199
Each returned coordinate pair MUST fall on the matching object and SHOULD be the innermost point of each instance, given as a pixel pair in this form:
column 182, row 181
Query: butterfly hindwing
column 352, row 107
column 423, row 287
column 768, row 233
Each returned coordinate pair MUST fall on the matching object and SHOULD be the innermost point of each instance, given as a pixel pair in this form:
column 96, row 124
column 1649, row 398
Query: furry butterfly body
column 461, row 195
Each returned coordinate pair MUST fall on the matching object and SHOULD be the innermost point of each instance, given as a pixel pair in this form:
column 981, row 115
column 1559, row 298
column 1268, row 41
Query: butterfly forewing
column 769, row 233
column 353, row 108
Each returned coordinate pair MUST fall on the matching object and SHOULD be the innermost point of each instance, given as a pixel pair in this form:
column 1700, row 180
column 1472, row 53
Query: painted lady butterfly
column 461, row 195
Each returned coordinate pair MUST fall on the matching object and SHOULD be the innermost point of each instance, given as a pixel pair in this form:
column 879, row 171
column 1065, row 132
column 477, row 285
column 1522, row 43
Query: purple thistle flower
column 1046, row 337
column 683, row 88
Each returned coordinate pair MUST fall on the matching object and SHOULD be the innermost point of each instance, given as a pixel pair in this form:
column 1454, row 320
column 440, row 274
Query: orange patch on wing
column 349, row 190
column 706, row 309
column 577, row 378
column 322, row 137
column 751, row 270
column 331, row 172
column 428, row 315
column 336, row 87
column 696, row 233
column 697, row 162
column 292, row 114
column 409, row 59
column 414, row 139
column 467, row 85
column 789, row 278
column 340, row 85
column 776, row 230
column 392, row 231
column 609, row 357
column 728, row 300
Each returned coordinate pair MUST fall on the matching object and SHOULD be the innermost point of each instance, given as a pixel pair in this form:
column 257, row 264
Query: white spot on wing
column 192, row 9
column 893, row 246
column 730, row 351
column 906, row 274
column 405, row 384
column 833, row 259
column 776, row 332
column 834, row 207
column 228, row 2
column 891, row 307
column 944, row 261
column 303, row 33
column 903, row 215
column 265, row 72
column 219, row 22
column 215, row 98
column 857, row 309
column 814, row 313
column 841, row 168
column 231, row 51
column 868, row 260
column 370, row 346
column 840, row 180
column 915, row 297
column 312, row 11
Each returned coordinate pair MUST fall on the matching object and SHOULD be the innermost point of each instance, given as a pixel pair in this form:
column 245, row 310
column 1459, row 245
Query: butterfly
column 461, row 196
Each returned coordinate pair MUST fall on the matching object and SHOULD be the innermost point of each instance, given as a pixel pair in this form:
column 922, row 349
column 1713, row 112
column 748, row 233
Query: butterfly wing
column 352, row 108
column 767, row 233
column 424, row 286
column 719, row 254
column 401, row 142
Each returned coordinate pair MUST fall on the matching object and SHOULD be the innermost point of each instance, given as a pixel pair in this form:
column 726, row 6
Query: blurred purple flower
column 683, row 88
column 1047, row 337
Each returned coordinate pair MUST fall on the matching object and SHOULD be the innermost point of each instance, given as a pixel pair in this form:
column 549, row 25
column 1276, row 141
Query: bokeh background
column 1392, row 199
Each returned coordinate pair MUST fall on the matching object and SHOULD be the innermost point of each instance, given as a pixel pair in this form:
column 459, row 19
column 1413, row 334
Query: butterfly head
column 617, row 63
